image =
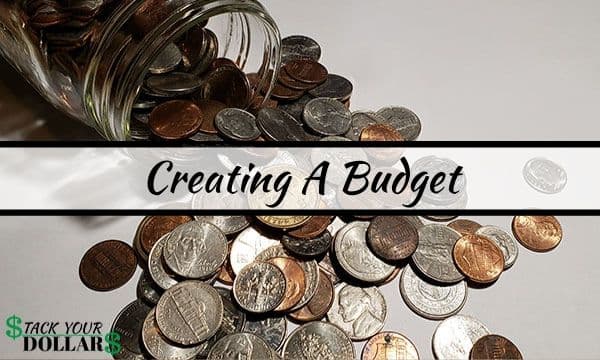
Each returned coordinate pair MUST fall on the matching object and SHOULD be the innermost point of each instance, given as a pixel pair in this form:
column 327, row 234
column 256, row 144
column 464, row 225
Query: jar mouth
column 122, row 60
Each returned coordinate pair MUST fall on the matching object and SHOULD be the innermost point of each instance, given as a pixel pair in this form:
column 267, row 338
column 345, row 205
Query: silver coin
column 156, row 268
column 159, row 346
column 195, row 250
column 505, row 241
column 129, row 324
column 318, row 340
column 433, row 256
column 168, row 60
column 355, row 257
column 202, row 137
column 360, row 312
column 455, row 336
column 237, row 124
column 144, row 104
column 328, row 268
column 415, row 220
column 271, row 329
column 327, row 116
column 227, row 224
column 246, row 246
column 545, row 176
column 431, row 301
column 138, row 130
column 360, row 120
column 209, row 51
column 141, row 117
column 189, row 312
column 296, row 108
column 147, row 290
column 310, row 268
column 402, row 119
column 259, row 287
column 433, row 164
column 240, row 346
column 278, row 125
column 307, row 247
column 335, row 87
column 173, row 84
column 299, row 47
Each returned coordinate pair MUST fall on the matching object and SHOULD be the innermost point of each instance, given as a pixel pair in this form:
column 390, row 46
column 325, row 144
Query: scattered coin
column 295, row 281
column 299, row 47
column 319, row 304
column 406, row 122
column 210, row 109
column 147, row 290
column 175, row 120
column 380, row 132
column 464, row 226
column 537, row 233
column 241, row 346
column 259, row 287
column 153, row 228
column 128, row 324
column 271, row 329
column 167, row 60
column 278, row 125
column 307, row 248
column 229, row 225
column 306, row 71
column 159, row 347
column 495, row 347
column 392, row 238
column 283, row 222
column 228, row 85
column 313, row 227
column 433, row 256
column 455, row 336
column 335, row 87
column 107, row 265
column 237, row 124
column 360, row 120
column 246, row 246
column 318, row 340
column 389, row 345
column 173, row 84
column 545, row 176
column 327, row 116
column 505, row 242
column 157, row 269
column 479, row 258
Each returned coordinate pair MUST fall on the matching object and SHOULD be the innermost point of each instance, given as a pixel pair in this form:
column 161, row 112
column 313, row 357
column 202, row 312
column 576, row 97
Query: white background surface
column 546, row 303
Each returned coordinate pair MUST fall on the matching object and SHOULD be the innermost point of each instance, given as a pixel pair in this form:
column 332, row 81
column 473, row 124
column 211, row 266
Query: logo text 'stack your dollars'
column 360, row 179
column 67, row 336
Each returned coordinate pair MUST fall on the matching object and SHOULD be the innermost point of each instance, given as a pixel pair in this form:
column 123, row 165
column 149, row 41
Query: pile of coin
column 320, row 272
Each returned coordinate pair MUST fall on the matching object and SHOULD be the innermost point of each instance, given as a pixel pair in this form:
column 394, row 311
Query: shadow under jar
column 91, row 58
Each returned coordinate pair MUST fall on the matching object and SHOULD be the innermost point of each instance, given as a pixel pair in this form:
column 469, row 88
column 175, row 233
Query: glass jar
column 89, row 58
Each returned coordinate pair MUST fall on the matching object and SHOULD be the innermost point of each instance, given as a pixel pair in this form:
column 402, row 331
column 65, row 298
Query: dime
column 310, row 268
column 147, row 290
column 318, row 340
column 465, row 226
column 240, row 346
column 210, row 109
column 108, row 265
column 455, row 336
column 479, row 258
column 360, row 312
column 431, row 301
column 271, row 329
column 228, row 85
column 189, row 312
column 229, row 225
column 392, row 238
column 319, row 304
column 360, row 120
column 356, row 258
column 335, row 87
column 433, row 256
column 299, row 47
column 159, row 347
column 327, row 116
column 495, row 347
column 167, row 60
column 406, row 122
column 129, row 324
column 380, row 132
column 313, row 227
column 537, row 233
column 237, row 124
column 278, row 125
column 246, row 246
column 173, row 84
column 307, row 247
column 306, row 71
column 195, row 250
column 505, row 242
column 389, row 345
column 175, row 119
column 156, row 267
column 545, row 176
column 153, row 228
column 295, row 281
column 283, row 222
column 259, row 287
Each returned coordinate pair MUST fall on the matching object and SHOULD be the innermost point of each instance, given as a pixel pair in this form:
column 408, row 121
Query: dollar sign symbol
column 14, row 330
column 113, row 339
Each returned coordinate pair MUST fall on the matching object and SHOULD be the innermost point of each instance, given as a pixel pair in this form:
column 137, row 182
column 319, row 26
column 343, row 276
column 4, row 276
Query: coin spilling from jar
column 225, row 287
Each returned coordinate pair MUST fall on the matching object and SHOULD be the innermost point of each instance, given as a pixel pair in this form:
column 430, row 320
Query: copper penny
column 392, row 238
column 464, row 226
column 295, row 281
column 153, row 228
column 107, row 265
column 259, row 102
column 210, row 109
column 478, row 258
column 492, row 347
column 389, row 345
column 226, row 274
column 537, row 233
column 228, row 85
column 312, row 228
column 319, row 304
column 222, row 62
column 175, row 119
column 292, row 83
column 306, row 71
column 282, row 92
column 380, row 132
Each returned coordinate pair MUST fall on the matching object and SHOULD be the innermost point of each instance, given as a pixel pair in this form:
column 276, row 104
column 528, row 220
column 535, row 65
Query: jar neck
column 121, row 59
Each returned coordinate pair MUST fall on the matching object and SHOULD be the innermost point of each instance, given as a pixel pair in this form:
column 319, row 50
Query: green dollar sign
column 113, row 339
column 14, row 330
